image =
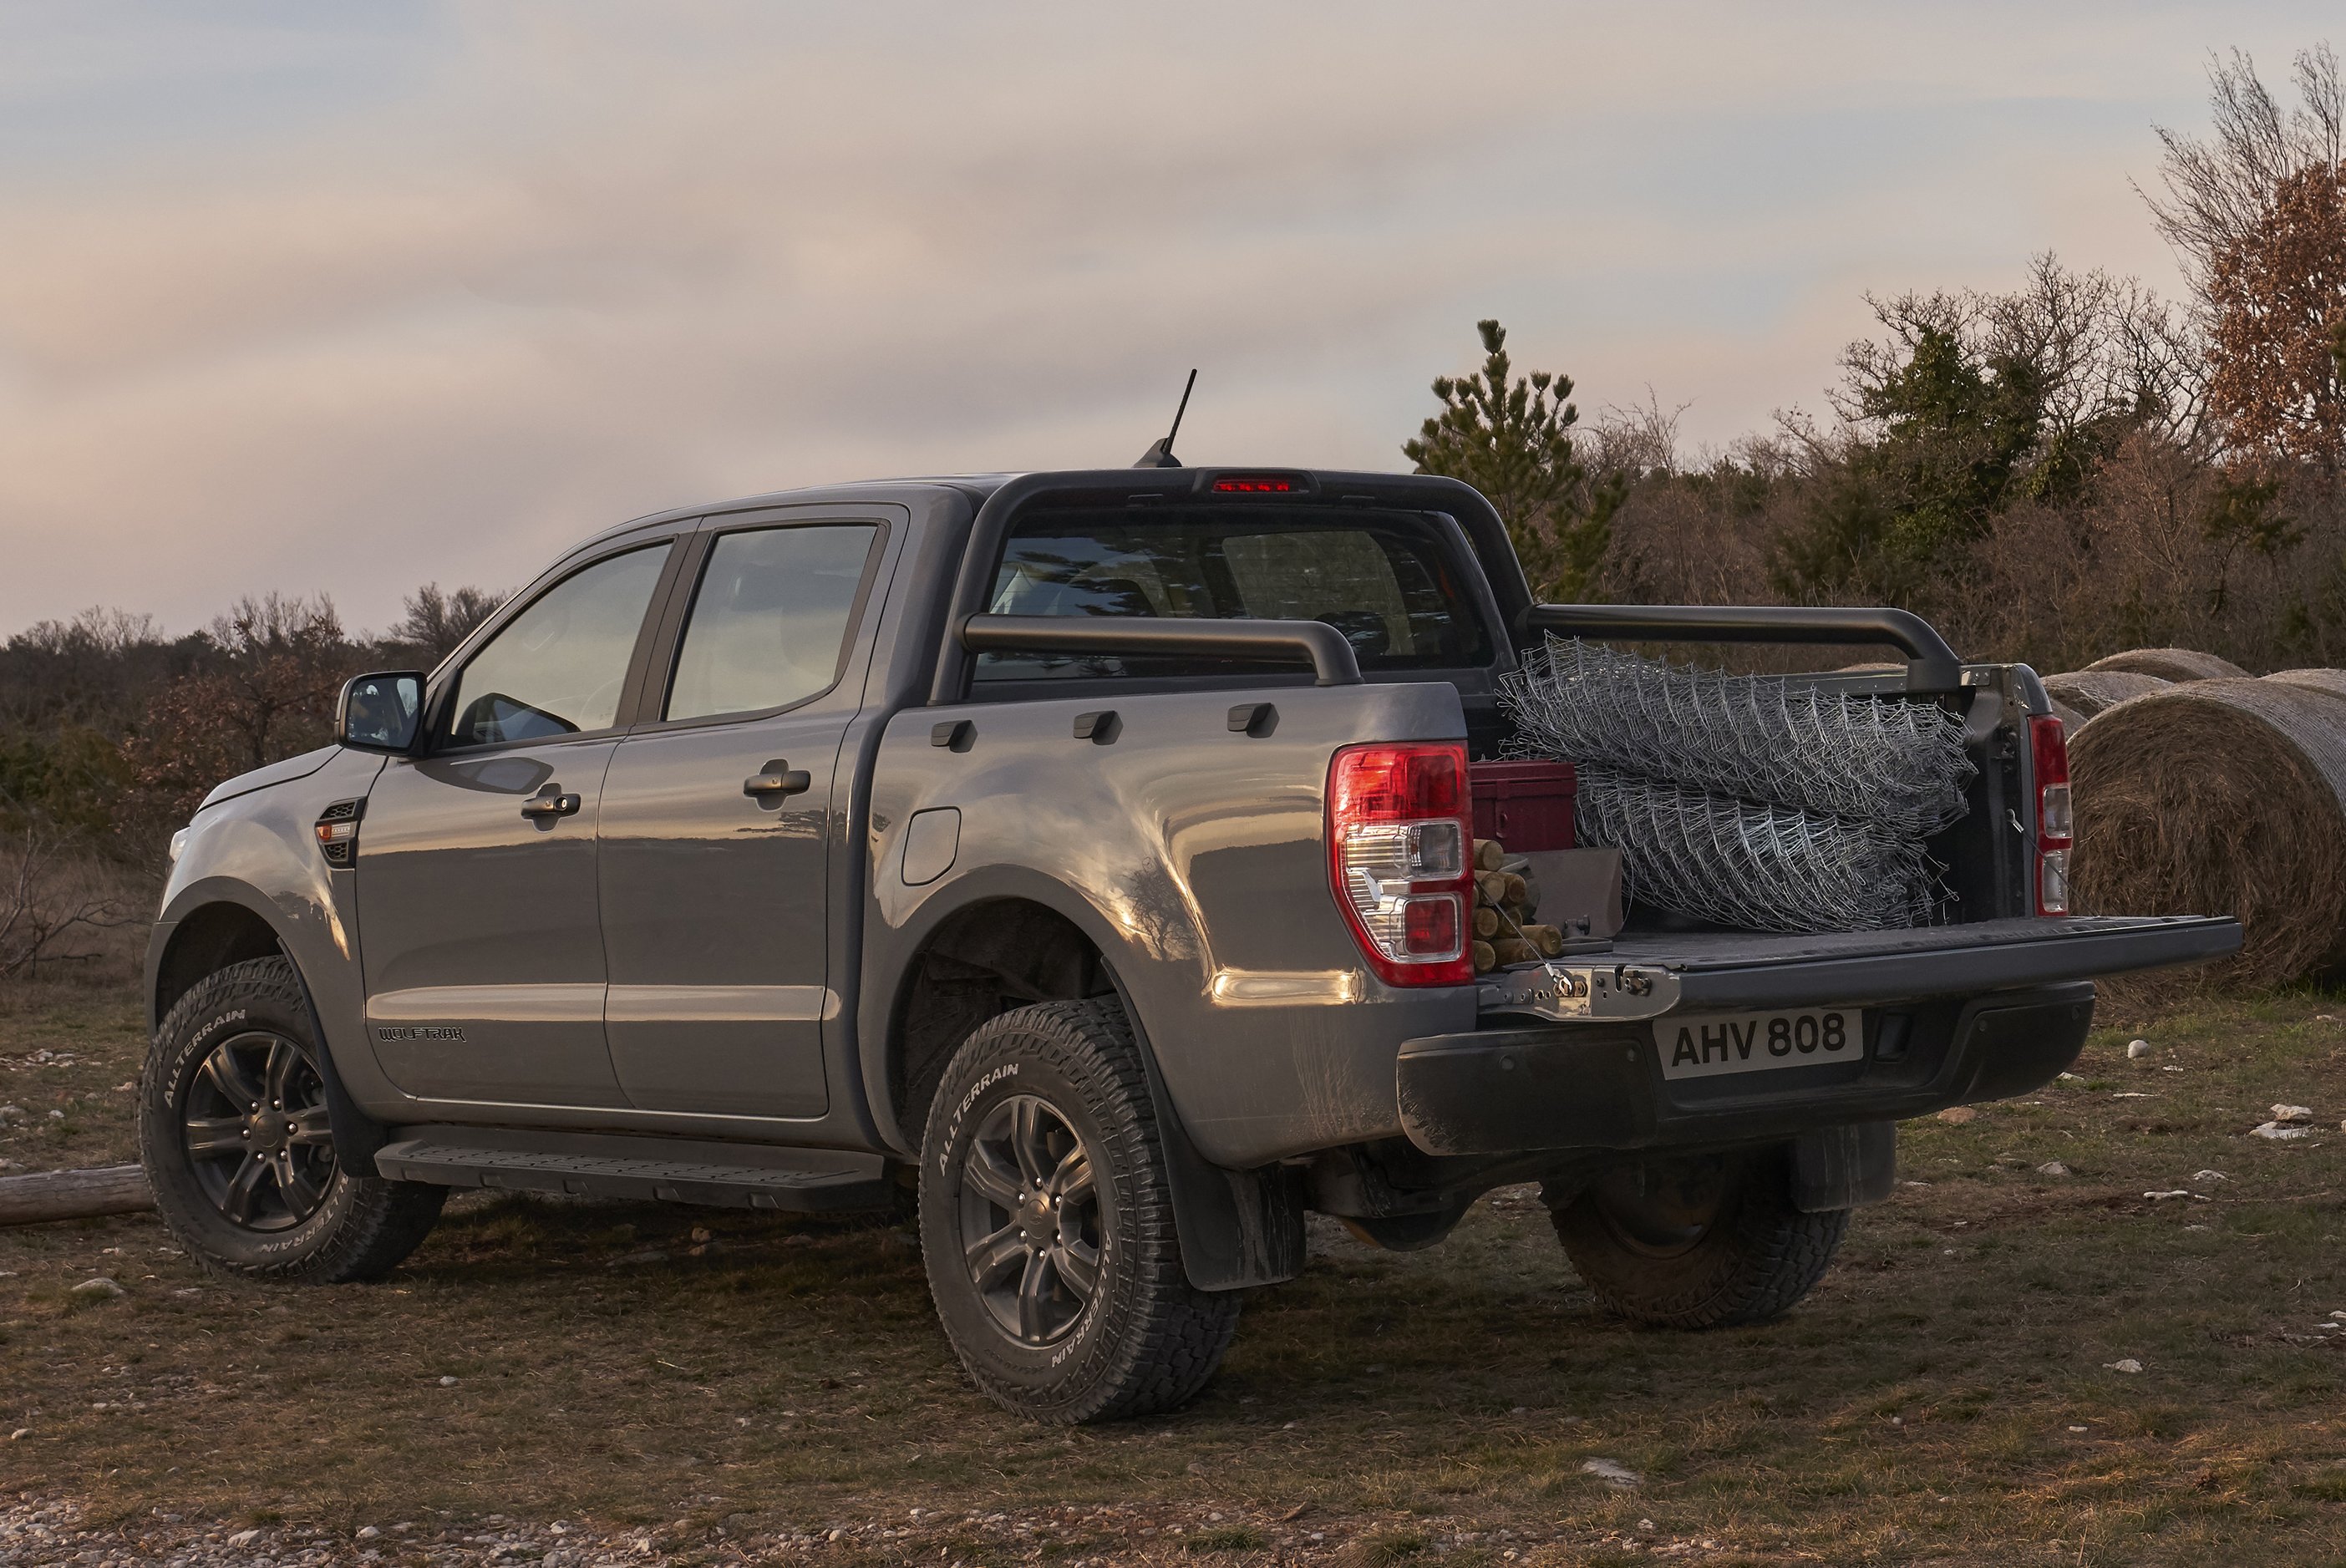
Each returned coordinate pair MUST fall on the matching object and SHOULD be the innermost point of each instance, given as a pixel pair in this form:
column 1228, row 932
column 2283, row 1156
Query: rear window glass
column 1386, row 581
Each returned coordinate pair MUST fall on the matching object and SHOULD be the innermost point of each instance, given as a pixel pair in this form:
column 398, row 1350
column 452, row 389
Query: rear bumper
column 1599, row 1085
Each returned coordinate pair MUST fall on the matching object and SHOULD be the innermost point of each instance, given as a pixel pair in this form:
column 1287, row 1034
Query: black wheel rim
column 1030, row 1220
column 253, row 1125
column 1664, row 1208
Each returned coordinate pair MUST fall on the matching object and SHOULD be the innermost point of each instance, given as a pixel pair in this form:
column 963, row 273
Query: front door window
column 559, row 667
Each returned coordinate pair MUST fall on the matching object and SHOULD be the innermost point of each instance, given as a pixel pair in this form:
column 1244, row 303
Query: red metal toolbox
column 1526, row 806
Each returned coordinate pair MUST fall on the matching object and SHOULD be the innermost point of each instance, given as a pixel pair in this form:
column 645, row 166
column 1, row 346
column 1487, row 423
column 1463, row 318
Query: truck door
column 478, row 920
column 718, row 822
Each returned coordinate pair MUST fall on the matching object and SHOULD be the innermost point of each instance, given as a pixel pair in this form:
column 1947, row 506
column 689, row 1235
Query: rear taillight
column 2057, row 827
column 1397, row 859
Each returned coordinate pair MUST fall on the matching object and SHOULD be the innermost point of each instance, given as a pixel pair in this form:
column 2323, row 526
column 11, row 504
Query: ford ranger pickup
column 1082, row 860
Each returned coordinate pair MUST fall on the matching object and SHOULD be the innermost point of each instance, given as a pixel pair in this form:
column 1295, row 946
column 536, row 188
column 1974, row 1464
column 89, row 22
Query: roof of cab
column 976, row 486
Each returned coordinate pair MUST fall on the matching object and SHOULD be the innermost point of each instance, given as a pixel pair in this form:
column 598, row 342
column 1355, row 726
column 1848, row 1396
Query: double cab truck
column 1081, row 860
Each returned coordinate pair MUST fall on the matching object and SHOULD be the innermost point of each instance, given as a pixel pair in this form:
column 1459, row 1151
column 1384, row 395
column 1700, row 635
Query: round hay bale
column 2170, row 664
column 2091, row 690
column 2069, row 717
column 2220, row 797
column 2332, row 681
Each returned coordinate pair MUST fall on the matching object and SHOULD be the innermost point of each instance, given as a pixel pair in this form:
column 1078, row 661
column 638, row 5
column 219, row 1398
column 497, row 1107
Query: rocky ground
column 2096, row 1325
column 33, row 1531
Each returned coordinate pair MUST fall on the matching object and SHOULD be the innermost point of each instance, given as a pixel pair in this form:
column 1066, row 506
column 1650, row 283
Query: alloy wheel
column 253, row 1125
column 1030, row 1220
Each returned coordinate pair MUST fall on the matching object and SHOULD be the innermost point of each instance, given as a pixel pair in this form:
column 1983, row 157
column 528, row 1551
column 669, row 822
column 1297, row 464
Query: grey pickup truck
column 1081, row 860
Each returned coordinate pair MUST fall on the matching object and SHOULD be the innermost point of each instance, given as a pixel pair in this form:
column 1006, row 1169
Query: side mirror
column 380, row 712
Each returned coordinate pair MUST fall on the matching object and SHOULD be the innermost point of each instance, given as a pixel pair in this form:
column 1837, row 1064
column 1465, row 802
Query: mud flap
column 1237, row 1227
column 1845, row 1167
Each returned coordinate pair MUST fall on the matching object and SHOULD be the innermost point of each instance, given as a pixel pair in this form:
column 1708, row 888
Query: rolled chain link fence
column 1750, row 801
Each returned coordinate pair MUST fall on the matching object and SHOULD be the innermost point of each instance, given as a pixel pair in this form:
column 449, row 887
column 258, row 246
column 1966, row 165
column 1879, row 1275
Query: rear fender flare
column 1237, row 1228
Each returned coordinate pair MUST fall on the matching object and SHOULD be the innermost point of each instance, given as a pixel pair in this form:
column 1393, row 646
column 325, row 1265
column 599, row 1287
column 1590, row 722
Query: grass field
column 674, row 1384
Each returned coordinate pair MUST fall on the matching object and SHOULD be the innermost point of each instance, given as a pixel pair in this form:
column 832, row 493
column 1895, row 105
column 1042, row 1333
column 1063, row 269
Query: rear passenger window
column 1385, row 581
column 770, row 621
column 560, row 665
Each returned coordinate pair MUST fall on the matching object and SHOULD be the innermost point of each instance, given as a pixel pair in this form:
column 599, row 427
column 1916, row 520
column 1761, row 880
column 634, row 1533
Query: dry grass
column 1945, row 1396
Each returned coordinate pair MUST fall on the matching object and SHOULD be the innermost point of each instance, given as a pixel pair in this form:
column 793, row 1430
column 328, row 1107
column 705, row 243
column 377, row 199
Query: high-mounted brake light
column 1398, row 833
column 2048, row 751
column 1255, row 485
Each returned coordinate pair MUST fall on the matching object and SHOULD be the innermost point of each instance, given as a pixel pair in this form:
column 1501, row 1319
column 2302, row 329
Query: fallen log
column 74, row 1195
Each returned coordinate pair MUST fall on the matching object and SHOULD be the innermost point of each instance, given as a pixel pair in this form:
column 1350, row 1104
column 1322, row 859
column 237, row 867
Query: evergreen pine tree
column 1512, row 440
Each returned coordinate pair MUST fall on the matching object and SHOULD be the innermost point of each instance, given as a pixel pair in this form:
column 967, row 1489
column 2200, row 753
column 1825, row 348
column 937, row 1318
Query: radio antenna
column 1160, row 453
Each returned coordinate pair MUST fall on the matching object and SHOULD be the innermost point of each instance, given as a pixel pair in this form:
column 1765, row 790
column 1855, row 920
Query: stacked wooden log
column 1506, row 904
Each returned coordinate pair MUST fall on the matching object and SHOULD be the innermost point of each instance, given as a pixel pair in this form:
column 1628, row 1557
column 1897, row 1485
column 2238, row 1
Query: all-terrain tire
column 1067, row 1079
column 321, row 1223
column 1745, row 1255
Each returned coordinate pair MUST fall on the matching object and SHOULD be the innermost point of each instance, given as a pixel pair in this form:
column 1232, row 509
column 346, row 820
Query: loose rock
column 2277, row 1133
column 2053, row 1168
column 2281, row 1113
column 2124, row 1364
column 2137, row 1049
column 99, row 1289
column 1611, row 1471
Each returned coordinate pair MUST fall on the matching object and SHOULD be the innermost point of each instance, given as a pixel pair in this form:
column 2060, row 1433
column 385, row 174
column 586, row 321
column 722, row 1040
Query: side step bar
column 668, row 1170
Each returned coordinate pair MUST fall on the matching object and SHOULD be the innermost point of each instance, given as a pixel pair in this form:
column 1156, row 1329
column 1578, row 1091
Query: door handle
column 777, row 785
column 546, row 808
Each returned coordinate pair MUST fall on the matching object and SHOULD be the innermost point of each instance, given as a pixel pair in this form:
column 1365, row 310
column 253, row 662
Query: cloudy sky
column 346, row 296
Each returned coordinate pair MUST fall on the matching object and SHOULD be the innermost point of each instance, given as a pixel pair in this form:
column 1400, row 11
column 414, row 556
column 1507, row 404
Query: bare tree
column 435, row 622
column 100, row 628
column 2220, row 190
column 50, row 906
column 1639, row 441
column 2257, row 214
column 2093, row 347
column 279, row 664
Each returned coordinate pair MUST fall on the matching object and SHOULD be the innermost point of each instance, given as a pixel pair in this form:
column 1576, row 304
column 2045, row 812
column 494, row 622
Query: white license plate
column 1709, row 1045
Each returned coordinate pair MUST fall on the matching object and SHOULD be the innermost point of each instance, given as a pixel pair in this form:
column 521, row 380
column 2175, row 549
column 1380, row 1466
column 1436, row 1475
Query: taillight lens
column 2057, row 822
column 2052, row 882
column 1397, row 858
